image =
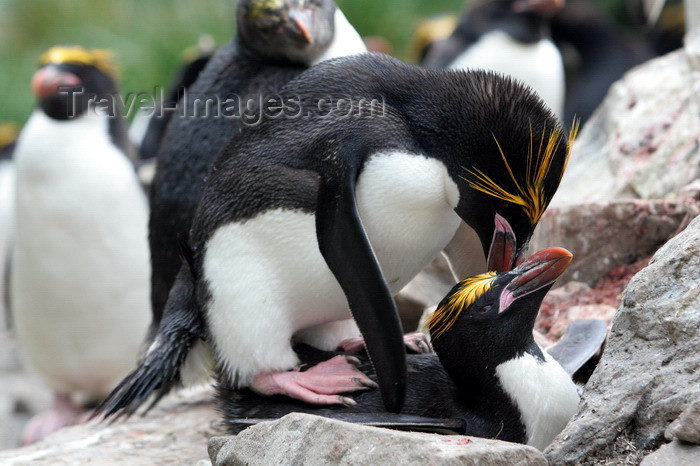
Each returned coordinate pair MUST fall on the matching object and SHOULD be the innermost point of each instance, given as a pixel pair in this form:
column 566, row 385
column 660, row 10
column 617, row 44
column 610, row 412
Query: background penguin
column 276, row 40
column 80, row 262
column 510, row 37
column 487, row 370
column 306, row 220
column 8, row 134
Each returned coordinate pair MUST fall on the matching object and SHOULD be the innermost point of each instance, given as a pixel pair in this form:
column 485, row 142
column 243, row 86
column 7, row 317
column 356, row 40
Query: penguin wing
column 159, row 371
column 583, row 339
column 346, row 249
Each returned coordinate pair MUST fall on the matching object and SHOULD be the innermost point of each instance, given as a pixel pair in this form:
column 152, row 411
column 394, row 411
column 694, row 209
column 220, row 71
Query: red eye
column 504, row 204
column 485, row 309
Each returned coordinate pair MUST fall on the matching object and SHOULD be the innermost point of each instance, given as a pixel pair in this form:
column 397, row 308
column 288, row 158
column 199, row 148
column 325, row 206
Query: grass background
column 150, row 35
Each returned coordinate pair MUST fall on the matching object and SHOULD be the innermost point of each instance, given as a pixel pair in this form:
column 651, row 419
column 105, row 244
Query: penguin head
column 296, row 31
column 8, row 136
column 488, row 319
column 69, row 79
column 507, row 160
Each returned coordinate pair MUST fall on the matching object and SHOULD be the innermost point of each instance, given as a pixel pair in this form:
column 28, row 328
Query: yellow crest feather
column 529, row 192
column 77, row 55
column 446, row 315
column 8, row 133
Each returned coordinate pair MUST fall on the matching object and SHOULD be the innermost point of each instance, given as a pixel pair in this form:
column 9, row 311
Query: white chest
column 539, row 65
column 80, row 262
column 544, row 394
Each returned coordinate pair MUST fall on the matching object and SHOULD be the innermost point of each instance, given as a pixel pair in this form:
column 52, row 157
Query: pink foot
column 63, row 413
column 320, row 385
column 415, row 342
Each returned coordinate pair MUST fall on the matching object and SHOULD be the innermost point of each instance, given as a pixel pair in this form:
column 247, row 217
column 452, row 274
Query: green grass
column 150, row 35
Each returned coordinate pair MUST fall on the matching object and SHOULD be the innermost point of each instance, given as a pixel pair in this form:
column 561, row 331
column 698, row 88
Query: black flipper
column 385, row 420
column 581, row 342
column 348, row 253
column 159, row 371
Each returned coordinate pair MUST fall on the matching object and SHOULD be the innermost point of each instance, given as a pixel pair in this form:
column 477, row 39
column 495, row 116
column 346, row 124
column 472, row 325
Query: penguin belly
column 539, row 65
column 7, row 220
column 267, row 278
column 80, row 265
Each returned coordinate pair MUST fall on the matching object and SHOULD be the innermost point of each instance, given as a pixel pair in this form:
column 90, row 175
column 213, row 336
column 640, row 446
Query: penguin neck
column 346, row 40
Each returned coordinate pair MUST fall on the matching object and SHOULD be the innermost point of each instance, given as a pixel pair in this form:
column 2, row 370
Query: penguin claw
column 322, row 384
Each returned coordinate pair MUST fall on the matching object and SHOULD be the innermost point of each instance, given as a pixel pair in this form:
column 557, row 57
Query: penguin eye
column 485, row 309
column 504, row 204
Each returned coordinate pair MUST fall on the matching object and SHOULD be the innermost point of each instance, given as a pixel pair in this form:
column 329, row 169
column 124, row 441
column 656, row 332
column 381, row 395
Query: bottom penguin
column 487, row 373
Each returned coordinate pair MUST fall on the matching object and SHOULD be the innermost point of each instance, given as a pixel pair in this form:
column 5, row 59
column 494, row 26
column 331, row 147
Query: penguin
column 80, row 271
column 317, row 217
column 487, row 370
column 8, row 135
column 276, row 41
column 510, row 37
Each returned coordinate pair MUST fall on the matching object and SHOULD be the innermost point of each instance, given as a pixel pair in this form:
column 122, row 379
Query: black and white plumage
column 510, row 37
column 79, row 281
column 487, row 371
column 275, row 42
column 307, row 221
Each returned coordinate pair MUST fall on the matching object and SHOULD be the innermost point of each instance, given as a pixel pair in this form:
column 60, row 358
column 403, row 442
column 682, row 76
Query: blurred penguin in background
column 79, row 274
column 510, row 37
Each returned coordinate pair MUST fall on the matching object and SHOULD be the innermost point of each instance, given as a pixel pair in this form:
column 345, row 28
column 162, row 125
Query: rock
column 306, row 439
column 687, row 426
column 175, row 432
column 676, row 454
column 642, row 142
column 650, row 370
column 605, row 235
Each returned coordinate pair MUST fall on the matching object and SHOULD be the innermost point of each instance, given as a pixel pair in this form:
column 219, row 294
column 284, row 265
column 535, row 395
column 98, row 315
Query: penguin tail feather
column 159, row 371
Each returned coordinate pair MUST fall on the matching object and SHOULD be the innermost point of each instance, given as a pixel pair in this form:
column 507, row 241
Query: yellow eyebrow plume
column 446, row 315
column 77, row 55
column 529, row 192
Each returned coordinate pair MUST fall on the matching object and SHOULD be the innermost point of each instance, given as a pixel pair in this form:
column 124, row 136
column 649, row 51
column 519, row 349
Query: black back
column 454, row 116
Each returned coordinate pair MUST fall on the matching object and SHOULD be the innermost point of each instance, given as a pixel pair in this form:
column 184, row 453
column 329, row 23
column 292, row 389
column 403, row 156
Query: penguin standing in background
column 276, row 40
column 309, row 220
column 510, row 37
column 487, row 370
column 80, row 268
column 8, row 135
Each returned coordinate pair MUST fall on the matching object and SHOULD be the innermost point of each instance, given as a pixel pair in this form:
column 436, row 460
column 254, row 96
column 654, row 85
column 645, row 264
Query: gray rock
column 605, row 235
column 304, row 439
column 175, row 432
column 687, row 426
column 674, row 454
column 643, row 140
column 650, row 369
